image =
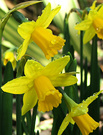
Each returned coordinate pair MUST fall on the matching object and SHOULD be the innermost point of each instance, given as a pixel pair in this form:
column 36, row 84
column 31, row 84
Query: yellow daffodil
column 39, row 82
column 9, row 56
column 92, row 24
column 37, row 32
column 79, row 113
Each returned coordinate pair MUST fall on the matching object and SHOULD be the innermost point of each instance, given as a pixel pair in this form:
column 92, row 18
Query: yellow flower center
column 85, row 123
column 48, row 96
column 47, row 41
column 98, row 25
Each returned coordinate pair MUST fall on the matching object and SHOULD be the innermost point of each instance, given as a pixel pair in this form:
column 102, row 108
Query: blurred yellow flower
column 37, row 32
column 78, row 113
column 9, row 56
column 39, row 82
column 92, row 24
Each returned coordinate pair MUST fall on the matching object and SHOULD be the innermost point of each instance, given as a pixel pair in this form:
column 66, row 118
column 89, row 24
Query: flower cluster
column 92, row 24
column 39, row 84
column 78, row 114
column 37, row 32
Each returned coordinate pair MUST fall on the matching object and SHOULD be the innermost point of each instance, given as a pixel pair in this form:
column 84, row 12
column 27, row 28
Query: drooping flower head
column 78, row 113
column 9, row 56
column 92, row 24
column 38, row 32
column 39, row 82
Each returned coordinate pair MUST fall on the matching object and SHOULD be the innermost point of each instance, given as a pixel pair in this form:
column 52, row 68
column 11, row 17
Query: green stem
column 7, row 103
column 28, row 117
column 69, row 102
column 2, row 25
column 85, row 80
column 18, row 98
column 0, row 89
column 18, row 114
column 37, row 132
column 66, row 47
column 1, row 33
column 33, row 120
column 81, row 65
column 24, row 125
column 95, row 82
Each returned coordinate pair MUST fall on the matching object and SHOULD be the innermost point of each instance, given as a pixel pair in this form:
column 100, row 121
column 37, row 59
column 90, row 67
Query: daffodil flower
column 78, row 113
column 39, row 82
column 9, row 56
column 92, row 24
column 37, row 32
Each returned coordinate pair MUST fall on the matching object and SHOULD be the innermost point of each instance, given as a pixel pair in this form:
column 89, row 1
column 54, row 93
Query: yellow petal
column 84, row 25
column 78, row 113
column 52, row 99
column 93, row 5
column 47, row 16
column 48, row 96
column 74, row 108
column 32, row 68
column 89, row 34
column 86, row 124
column 64, row 80
column 46, row 12
column 100, row 11
column 98, row 25
column 91, row 16
column 90, row 99
column 49, row 19
column 82, row 108
column 65, row 123
column 78, row 110
column 18, row 85
column 29, row 100
column 9, row 56
column 100, row 34
column 14, row 64
column 22, row 49
column 55, row 67
column 49, row 43
column 25, row 29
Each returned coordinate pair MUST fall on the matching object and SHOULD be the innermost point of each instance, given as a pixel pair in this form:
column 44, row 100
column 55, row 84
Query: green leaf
column 58, row 116
column 7, row 101
column 95, row 83
column 23, row 5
